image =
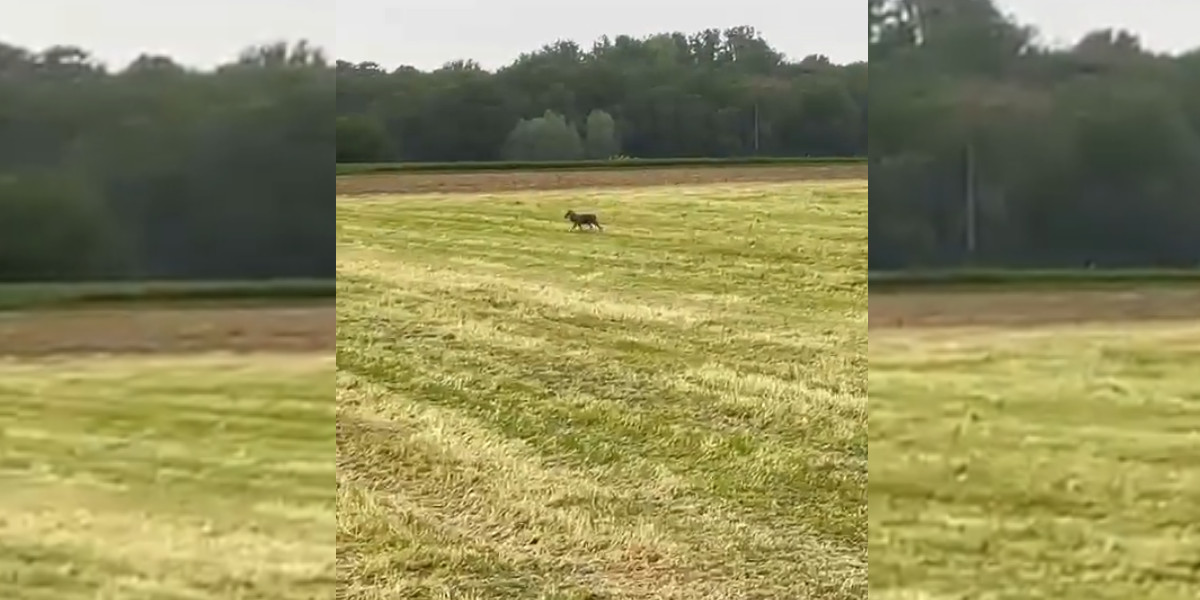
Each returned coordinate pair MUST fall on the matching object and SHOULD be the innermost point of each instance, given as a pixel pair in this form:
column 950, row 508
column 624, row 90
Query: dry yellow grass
column 199, row 477
column 674, row 408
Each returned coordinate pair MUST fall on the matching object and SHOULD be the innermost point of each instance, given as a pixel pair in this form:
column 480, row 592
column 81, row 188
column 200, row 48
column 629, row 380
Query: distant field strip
column 199, row 477
column 490, row 182
column 1056, row 462
column 623, row 164
column 674, row 408
column 29, row 296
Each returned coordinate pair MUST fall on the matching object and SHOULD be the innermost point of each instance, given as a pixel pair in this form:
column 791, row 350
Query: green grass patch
column 955, row 280
column 1053, row 463
column 631, row 163
column 148, row 478
column 672, row 408
column 21, row 296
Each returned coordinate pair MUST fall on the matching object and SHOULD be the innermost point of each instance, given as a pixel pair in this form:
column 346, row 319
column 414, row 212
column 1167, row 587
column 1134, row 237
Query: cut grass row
column 575, row 165
column 674, row 408
column 992, row 279
column 23, row 296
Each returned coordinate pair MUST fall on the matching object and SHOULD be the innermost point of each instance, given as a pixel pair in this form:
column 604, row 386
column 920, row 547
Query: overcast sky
column 426, row 34
column 1164, row 25
column 195, row 33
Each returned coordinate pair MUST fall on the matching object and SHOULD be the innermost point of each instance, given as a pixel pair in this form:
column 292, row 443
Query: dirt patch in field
column 1031, row 308
column 502, row 181
column 168, row 330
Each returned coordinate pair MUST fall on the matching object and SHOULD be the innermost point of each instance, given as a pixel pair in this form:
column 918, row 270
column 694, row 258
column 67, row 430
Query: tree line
column 709, row 94
column 988, row 148
column 157, row 171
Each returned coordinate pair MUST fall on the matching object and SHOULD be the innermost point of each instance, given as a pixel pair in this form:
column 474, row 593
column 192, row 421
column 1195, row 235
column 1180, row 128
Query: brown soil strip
column 1031, row 308
column 501, row 181
column 175, row 330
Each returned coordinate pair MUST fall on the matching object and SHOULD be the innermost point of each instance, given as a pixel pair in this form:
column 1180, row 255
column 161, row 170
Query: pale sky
column 195, row 33
column 429, row 33
column 1163, row 25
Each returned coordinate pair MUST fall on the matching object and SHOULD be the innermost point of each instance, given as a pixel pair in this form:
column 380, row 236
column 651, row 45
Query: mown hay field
column 1035, row 444
column 176, row 475
column 672, row 408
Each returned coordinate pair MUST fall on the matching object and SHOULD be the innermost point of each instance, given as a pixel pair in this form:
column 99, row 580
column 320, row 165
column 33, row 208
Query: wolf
column 579, row 220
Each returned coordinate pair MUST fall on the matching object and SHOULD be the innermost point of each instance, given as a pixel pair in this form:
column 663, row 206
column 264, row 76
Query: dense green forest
column 1066, row 157
column 709, row 94
column 156, row 171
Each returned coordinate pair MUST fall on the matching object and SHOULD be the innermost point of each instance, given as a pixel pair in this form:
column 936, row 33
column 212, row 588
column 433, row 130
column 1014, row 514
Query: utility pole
column 972, row 202
column 756, row 127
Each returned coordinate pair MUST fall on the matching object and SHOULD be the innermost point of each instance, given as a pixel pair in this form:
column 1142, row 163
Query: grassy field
column 24, row 296
column 618, row 164
column 1050, row 461
column 673, row 408
column 1030, row 279
column 198, row 477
